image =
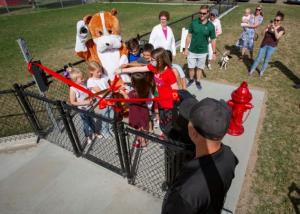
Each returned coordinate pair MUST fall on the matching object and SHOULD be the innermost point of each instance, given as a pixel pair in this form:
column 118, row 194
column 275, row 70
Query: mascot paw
column 81, row 36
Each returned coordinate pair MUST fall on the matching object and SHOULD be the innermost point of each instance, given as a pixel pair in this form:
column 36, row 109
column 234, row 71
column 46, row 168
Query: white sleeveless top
column 80, row 96
column 101, row 83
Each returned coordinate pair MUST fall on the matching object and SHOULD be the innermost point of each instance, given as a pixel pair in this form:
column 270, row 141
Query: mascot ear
column 114, row 12
column 87, row 19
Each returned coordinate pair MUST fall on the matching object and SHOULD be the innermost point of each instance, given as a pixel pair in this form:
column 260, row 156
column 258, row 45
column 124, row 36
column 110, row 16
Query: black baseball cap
column 209, row 116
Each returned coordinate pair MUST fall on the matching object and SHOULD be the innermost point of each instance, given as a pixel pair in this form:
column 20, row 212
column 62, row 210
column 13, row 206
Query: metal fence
column 152, row 169
column 7, row 6
column 13, row 119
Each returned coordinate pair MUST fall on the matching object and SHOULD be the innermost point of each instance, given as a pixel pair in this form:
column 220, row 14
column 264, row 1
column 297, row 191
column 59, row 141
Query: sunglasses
column 258, row 9
column 277, row 20
column 202, row 14
column 212, row 15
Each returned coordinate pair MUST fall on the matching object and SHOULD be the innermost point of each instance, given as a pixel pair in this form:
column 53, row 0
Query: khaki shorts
column 196, row 60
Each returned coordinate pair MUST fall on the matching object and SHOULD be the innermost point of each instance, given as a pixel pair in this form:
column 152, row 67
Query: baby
column 246, row 18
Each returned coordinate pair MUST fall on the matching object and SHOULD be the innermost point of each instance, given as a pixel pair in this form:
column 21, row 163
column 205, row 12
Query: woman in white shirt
column 162, row 35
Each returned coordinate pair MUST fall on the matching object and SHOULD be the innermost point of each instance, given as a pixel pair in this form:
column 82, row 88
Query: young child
column 146, row 54
column 144, row 59
column 165, row 82
column 97, row 82
column 78, row 98
column 139, row 111
column 246, row 18
column 178, row 71
column 134, row 50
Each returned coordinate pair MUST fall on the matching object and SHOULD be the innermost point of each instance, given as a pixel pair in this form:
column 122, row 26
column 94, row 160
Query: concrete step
column 48, row 179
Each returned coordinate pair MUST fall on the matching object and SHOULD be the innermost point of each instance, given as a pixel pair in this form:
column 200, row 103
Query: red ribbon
column 61, row 78
column 103, row 103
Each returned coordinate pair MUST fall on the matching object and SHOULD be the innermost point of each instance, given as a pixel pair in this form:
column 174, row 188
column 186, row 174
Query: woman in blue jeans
column 273, row 32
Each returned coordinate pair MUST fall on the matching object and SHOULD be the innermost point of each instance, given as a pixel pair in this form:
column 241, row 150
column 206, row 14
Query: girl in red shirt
column 165, row 82
column 164, row 77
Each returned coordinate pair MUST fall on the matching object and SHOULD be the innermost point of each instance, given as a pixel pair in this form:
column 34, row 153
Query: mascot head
column 104, row 29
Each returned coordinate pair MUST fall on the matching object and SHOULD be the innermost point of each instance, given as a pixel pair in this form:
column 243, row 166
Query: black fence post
column 168, row 168
column 28, row 110
column 118, row 143
column 125, row 154
column 63, row 114
column 72, row 127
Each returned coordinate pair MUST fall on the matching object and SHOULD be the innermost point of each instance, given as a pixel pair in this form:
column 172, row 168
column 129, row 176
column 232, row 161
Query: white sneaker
column 99, row 136
column 89, row 141
column 209, row 66
column 156, row 127
column 155, row 124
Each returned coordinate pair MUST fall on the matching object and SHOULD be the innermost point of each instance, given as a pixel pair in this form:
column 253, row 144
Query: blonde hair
column 94, row 66
column 75, row 73
column 248, row 10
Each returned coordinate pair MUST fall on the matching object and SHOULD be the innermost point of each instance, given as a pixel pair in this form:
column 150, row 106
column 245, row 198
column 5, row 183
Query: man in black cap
column 202, row 184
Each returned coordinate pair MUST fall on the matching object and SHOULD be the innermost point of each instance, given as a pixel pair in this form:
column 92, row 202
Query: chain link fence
column 105, row 149
column 48, row 116
column 154, row 168
column 13, row 119
column 7, row 6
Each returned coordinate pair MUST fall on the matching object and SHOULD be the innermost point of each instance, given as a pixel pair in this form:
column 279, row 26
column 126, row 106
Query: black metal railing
column 152, row 168
column 155, row 167
column 13, row 118
column 11, row 6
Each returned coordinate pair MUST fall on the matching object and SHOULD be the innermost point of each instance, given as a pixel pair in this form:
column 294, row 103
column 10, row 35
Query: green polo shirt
column 200, row 36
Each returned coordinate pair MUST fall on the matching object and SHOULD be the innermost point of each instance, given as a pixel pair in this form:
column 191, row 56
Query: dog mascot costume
column 105, row 45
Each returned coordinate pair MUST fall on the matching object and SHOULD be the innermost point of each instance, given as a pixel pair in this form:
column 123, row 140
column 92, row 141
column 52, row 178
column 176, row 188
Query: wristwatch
column 214, row 52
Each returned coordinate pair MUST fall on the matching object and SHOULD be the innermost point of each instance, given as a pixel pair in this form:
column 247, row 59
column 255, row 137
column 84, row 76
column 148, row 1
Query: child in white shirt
column 79, row 99
column 97, row 82
column 246, row 18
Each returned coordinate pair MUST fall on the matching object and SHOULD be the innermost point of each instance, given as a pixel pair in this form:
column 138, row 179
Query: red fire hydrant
column 239, row 103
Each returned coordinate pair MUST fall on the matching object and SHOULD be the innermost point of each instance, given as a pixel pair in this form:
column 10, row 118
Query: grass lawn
column 51, row 36
column 278, row 159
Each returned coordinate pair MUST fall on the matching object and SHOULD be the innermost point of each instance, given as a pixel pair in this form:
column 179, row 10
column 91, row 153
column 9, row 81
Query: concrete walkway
column 240, row 145
column 48, row 179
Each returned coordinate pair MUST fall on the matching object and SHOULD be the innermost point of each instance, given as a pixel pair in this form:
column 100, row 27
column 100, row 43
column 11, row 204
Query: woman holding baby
column 249, row 23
